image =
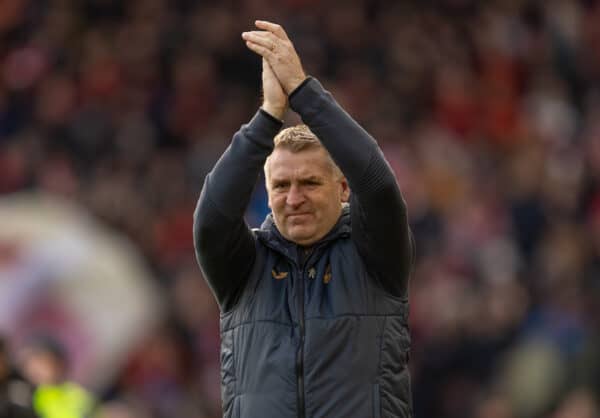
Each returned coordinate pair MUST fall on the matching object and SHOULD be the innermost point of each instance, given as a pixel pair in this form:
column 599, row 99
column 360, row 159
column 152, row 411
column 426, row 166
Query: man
column 314, row 303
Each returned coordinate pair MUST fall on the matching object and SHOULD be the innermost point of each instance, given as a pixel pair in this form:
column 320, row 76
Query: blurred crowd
column 488, row 111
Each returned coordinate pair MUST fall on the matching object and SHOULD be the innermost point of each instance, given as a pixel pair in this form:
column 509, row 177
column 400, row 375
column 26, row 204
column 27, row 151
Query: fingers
column 259, row 34
column 265, row 39
column 274, row 28
column 259, row 49
column 273, row 45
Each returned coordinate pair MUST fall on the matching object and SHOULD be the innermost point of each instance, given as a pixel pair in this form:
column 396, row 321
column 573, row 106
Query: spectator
column 45, row 362
column 15, row 392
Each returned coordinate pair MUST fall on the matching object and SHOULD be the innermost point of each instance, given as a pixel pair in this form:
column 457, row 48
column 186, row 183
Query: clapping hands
column 282, row 69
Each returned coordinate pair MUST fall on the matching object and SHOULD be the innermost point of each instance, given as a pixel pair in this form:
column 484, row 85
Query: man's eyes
column 285, row 185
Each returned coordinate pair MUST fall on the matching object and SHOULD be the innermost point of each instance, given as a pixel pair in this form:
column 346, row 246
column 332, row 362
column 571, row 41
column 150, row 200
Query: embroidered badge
column 327, row 275
column 279, row 276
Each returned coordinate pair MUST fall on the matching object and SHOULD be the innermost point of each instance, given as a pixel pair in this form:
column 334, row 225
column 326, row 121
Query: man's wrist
column 295, row 83
column 298, row 88
column 278, row 112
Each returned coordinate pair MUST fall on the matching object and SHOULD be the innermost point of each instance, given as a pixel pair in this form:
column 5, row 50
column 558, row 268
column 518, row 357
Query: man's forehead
column 313, row 161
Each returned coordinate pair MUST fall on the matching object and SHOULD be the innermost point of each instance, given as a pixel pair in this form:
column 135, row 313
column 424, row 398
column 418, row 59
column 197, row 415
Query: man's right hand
column 275, row 100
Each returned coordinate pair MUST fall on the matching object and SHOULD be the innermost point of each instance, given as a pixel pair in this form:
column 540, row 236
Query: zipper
column 376, row 401
column 300, row 353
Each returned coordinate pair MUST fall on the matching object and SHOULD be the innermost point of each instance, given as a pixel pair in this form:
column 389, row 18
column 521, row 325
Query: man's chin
column 301, row 236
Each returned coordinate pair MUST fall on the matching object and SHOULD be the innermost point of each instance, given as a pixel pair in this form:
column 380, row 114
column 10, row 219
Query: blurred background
column 112, row 112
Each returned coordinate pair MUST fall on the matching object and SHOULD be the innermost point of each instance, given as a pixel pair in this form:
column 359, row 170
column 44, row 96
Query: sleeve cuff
column 308, row 99
column 268, row 115
column 293, row 93
column 263, row 128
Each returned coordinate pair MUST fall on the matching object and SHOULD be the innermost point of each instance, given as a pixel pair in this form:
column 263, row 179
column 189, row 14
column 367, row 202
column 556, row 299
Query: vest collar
column 271, row 237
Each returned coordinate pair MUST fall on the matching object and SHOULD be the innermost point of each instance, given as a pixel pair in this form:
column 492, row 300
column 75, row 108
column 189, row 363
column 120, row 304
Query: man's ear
column 345, row 192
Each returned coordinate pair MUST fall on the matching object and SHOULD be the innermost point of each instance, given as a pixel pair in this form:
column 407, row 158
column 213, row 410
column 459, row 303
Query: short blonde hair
column 296, row 139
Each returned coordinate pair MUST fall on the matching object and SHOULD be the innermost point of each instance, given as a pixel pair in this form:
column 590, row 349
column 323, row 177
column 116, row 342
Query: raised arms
column 379, row 220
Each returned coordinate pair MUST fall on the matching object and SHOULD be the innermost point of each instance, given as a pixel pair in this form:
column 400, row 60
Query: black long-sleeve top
column 225, row 245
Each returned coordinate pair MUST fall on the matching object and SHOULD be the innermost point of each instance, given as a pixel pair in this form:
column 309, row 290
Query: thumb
column 267, row 68
column 269, row 74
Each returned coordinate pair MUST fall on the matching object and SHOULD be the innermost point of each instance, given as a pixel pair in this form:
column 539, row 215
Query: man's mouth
column 298, row 215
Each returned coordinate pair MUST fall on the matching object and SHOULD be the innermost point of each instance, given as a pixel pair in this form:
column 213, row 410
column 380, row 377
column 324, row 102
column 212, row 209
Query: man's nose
column 295, row 196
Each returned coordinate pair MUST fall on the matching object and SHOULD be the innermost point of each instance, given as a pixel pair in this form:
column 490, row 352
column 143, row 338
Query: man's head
column 305, row 187
column 44, row 360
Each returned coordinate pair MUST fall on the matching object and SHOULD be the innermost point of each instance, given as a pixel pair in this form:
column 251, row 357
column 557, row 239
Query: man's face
column 305, row 194
column 40, row 367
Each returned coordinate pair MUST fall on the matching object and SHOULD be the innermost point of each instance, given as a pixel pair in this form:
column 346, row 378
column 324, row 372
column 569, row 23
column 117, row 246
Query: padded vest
column 314, row 335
